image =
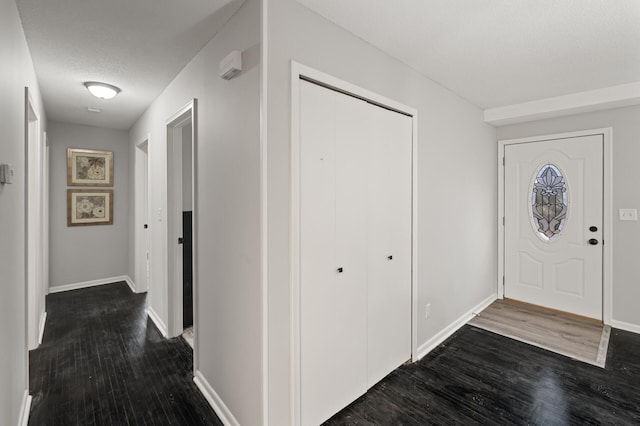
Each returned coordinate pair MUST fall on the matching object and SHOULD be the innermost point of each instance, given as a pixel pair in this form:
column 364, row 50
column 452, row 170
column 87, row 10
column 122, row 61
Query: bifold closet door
column 389, row 242
column 355, row 230
column 333, row 312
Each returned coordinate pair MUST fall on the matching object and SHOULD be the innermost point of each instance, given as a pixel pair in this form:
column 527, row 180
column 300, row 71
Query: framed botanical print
column 87, row 167
column 89, row 207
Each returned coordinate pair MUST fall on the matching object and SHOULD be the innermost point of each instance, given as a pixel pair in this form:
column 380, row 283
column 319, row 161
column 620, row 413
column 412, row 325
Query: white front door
column 553, row 224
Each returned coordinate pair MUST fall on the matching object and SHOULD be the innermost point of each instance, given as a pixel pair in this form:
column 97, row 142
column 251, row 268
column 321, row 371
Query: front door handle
column 180, row 240
column 593, row 242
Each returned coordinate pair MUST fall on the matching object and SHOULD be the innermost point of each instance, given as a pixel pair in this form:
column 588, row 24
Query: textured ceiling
column 137, row 45
column 502, row 52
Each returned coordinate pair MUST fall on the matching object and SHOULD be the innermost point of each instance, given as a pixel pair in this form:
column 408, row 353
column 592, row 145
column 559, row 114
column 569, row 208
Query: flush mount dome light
column 101, row 90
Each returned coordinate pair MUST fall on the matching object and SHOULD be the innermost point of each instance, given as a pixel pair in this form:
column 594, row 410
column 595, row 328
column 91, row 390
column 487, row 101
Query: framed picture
column 89, row 207
column 86, row 167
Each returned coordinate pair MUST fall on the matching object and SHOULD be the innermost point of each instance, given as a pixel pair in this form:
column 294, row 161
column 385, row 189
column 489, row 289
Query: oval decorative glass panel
column 549, row 202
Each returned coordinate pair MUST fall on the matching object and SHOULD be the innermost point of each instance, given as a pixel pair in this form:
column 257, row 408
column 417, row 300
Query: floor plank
column 103, row 362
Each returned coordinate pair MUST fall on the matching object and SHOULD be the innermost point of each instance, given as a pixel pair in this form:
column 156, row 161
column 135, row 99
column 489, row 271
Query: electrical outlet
column 427, row 311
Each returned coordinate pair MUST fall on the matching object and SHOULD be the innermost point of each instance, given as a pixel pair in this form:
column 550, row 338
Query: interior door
column 355, row 242
column 389, row 242
column 553, row 224
column 333, row 333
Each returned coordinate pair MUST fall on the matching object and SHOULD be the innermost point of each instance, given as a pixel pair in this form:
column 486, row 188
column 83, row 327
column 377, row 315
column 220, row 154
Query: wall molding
column 626, row 326
column 92, row 283
column 575, row 103
column 157, row 321
column 23, row 420
column 43, row 323
column 222, row 411
column 446, row 332
column 132, row 285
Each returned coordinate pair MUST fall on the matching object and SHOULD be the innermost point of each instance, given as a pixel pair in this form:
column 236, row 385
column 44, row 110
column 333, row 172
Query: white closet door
column 389, row 235
column 333, row 235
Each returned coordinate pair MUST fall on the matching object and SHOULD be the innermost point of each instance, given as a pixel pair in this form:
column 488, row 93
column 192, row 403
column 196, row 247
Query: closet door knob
column 340, row 270
column 390, row 257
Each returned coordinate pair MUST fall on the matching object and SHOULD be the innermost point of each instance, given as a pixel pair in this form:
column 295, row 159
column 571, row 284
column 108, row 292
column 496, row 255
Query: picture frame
column 89, row 207
column 86, row 167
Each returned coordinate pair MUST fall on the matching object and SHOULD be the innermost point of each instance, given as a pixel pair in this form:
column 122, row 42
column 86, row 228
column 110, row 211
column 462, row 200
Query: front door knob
column 340, row 270
column 593, row 242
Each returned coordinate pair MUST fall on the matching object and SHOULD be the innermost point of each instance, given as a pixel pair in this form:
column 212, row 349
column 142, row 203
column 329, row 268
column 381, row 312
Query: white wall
column 228, row 349
column 626, row 194
column 16, row 72
column 457, row 179
column 85, row 253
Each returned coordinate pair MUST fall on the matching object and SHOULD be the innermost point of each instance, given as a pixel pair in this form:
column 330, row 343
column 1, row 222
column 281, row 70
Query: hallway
column 103, row 362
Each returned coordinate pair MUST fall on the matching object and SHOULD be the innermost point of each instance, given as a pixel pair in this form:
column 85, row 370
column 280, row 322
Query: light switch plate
column 628, row 214
column 6, row 173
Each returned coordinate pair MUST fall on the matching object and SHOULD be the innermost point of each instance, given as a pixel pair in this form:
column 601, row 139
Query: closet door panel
column 351, row 234
column 389, row 235
column 332, row 339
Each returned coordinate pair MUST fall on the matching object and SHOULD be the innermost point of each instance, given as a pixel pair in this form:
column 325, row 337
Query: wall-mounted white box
column 628, row 214
column 231, row 65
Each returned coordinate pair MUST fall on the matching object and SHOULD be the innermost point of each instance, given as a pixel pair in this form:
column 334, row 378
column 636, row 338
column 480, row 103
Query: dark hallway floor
column 103, row 362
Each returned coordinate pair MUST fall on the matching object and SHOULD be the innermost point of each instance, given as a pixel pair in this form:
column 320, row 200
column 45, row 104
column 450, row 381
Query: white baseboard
column 157, row 321
column 86, row 284
column 432, row 343
column 23, row 420
column 43, row 322
column 222, row 411
column 131, row 284
column 626, row 326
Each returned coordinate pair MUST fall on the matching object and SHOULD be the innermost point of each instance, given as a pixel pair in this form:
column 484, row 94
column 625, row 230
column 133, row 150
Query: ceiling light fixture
column 101, row 90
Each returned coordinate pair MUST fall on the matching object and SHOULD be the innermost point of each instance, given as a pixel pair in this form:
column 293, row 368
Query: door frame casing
column 301, row 72
column 184, row 116
column 141, row 238
column 607, row 206
column 35, row 180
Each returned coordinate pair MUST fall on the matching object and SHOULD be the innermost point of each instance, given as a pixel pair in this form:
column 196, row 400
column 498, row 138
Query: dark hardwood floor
column 102, row 362
column 477, row 377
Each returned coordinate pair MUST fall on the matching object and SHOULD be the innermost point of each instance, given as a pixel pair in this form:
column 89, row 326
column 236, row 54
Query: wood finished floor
column 576, row 337
column 103, row 362
column 478, row 377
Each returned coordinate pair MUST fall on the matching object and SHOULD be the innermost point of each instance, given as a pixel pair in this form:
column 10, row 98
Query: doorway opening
column 182, row 223
column 36, row 180
column 142, row 269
